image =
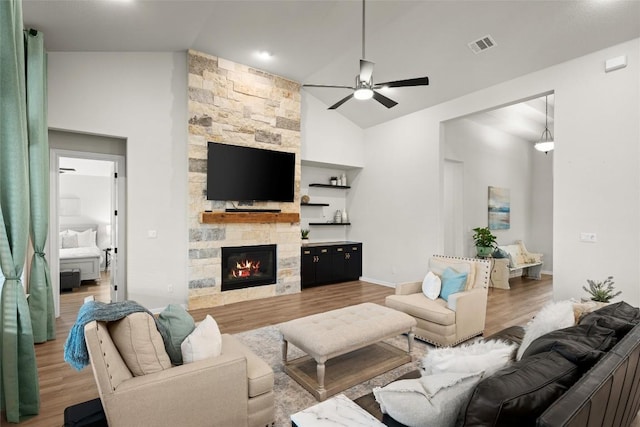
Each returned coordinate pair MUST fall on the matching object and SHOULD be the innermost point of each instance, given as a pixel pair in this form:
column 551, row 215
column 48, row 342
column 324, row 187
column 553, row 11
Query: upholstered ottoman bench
column 351, row 337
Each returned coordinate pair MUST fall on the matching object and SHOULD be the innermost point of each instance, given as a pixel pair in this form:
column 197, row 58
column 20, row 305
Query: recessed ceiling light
column 265, row 55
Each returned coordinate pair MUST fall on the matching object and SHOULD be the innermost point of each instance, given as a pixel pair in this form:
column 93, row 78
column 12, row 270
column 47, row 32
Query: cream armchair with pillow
column 139, row 387
column 441, row 322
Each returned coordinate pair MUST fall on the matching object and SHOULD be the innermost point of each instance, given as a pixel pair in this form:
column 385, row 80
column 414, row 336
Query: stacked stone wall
column 235, row 104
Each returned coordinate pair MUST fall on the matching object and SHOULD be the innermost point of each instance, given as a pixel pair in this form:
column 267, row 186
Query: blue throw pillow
column 452, row 282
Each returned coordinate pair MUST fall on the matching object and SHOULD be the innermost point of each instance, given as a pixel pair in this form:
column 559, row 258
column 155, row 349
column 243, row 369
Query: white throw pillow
column 204, row 342
column 488, row 356
column 431, row 286
column 86, row 238
column 554, row 316
column 433, row 400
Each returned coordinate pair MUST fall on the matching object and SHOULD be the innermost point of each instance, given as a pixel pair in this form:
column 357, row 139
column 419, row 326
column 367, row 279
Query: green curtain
column 41, row 294
column 19, row 388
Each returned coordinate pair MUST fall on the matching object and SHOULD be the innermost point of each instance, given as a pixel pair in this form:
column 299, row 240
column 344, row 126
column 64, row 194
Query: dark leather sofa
column 585, row 375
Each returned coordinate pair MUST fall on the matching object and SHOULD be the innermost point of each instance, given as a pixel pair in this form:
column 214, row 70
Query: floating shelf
column 329, row 223
column 248, row 217
column 314, row 204
column 344, row 187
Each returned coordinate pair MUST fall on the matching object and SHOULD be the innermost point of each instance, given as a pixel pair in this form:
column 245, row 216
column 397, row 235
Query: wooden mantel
column 248, row 217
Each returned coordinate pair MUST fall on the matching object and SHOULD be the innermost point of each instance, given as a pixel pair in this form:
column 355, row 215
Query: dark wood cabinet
column 324, row 263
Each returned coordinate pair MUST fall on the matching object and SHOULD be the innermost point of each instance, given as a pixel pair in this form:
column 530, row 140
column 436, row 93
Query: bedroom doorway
column 87, row 224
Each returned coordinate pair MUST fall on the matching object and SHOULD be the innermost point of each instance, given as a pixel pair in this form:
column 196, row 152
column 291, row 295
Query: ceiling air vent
column 480, row 45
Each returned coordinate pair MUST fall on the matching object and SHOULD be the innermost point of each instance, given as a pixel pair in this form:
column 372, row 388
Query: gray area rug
column 289, row 395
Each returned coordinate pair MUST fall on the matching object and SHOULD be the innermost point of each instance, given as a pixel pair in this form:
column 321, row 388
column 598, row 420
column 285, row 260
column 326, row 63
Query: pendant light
column 546, row 143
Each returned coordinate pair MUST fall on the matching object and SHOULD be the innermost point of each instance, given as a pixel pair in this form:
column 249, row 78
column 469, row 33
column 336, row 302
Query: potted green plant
column 601, row 291
column 304, row 232
column 484, row 240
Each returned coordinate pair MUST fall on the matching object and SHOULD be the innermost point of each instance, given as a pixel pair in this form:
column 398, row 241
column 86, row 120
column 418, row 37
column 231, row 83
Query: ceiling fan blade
column 387, row 102
column 420, row 81
column 342, row 101
column 366, row 70
column 339, row 87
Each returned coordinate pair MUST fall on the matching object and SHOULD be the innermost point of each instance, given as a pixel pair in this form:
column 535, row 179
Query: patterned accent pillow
column 69, row 241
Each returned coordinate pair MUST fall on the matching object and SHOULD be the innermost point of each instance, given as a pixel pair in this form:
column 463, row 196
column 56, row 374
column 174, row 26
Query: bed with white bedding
column 78, row 250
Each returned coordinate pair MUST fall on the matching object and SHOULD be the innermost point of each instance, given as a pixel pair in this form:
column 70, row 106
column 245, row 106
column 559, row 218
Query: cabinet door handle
column 339, row 249
column 307, row 252
column 324, row 251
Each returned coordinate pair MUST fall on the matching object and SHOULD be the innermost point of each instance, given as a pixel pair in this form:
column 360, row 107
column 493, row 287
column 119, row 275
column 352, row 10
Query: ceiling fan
column 365, row 88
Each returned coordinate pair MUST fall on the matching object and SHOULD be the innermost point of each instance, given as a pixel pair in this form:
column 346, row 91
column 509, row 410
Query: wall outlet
column 152, row 234
column 588, row 237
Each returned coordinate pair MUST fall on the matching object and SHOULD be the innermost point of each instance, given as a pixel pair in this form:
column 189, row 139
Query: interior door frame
column 53, row 240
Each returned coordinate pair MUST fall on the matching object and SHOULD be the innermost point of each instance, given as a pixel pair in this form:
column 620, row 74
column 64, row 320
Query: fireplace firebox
column 248, row 266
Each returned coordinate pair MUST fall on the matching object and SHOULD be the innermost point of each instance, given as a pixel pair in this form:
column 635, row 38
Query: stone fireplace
column 231, row 103
column 248, row 266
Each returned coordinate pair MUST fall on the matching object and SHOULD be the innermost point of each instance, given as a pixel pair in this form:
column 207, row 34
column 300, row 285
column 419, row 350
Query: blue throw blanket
column 75, row 349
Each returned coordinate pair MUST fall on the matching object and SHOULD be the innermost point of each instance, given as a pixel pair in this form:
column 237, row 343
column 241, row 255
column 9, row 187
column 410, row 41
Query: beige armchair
column 233, row 389
column 445, row 323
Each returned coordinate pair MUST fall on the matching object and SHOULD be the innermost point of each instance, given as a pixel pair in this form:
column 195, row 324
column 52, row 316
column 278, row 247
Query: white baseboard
column 378, row 282
column 547, row 272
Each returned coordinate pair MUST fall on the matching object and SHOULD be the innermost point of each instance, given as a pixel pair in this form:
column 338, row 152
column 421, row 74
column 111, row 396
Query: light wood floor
column 62, row 386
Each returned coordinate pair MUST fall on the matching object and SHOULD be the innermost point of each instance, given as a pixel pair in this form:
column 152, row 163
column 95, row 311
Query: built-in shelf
column 329, row 223
column 314, row 204
column 248, row 217
column 329, row 186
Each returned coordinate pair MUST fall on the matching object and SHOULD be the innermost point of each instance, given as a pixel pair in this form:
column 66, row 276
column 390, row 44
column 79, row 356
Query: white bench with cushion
column 522, row 262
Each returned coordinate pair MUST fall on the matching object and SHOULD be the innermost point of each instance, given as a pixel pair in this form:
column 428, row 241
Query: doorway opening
column 495, row 148
column 87, row 224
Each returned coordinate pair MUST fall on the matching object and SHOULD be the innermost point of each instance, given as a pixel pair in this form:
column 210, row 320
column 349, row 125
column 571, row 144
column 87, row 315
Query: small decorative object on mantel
column 485, row 241
column 601, row 291
column 304, row 232
column 334, row 180
column 305, row 199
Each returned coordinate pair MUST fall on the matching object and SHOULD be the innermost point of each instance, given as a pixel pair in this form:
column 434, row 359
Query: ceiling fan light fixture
column 363, row 93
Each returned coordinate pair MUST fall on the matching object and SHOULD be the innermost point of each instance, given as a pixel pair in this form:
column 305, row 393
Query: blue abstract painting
column 499, row 208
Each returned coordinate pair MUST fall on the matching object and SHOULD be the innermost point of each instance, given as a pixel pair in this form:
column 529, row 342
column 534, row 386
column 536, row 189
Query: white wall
column 141, row 97
column 335, row 197
column 491, row 158
column 596, row 175
column 540, row 237
column 94, row 193
column 331, row 145
column 328, row 137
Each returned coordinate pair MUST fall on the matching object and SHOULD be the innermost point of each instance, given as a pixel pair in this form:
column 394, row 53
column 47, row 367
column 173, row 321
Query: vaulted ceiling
column 320, row 41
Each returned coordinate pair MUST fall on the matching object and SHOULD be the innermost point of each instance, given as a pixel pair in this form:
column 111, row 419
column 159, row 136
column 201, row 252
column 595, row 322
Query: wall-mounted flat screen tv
column 249, row 174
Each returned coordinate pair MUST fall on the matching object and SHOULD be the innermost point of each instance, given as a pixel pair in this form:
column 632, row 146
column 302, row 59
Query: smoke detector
column 482, row 44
